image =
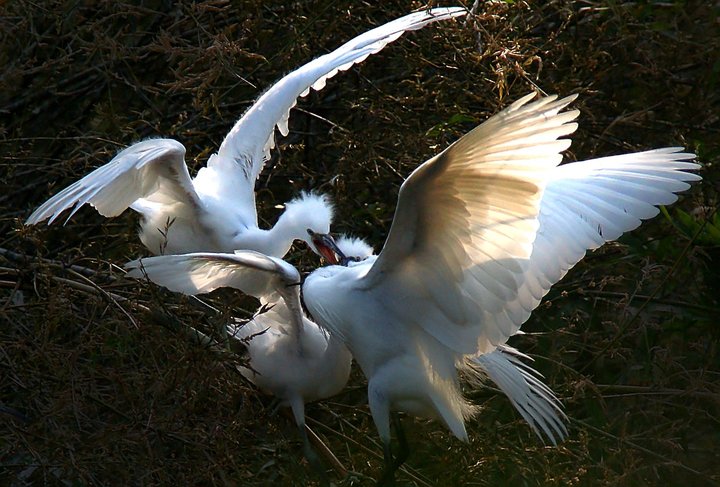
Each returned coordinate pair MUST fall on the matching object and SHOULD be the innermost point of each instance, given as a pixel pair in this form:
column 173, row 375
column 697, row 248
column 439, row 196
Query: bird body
column 215, row 211
column 480, row 234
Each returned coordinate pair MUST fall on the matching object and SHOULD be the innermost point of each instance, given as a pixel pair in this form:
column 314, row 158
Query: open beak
column 326, row 247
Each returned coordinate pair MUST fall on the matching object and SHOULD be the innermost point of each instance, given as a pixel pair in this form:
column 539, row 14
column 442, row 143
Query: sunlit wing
column 589, row 203
column 153, row 169
column 264, row 277
column 465, row 224
column 251, row 139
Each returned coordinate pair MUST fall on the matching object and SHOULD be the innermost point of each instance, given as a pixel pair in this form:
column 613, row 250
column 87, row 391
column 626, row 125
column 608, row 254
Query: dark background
column 97, row 390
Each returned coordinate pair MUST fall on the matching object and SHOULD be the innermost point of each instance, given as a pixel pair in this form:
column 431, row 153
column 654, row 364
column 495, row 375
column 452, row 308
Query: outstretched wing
column 153, row 169
column 465, row 224
column 267, row 278
column 592, row 202
column 253, row 273
column 251, row 139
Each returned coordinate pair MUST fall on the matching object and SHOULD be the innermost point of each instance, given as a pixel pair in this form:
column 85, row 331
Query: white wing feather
column 250, row 140
column 589, row 203
column 465, row 224
column 150, row 169
column 264, row 277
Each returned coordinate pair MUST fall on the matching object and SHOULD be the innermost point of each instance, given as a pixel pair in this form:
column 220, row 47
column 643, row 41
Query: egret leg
column 298, row 408
column 403, row 447
column 392, row 463
column 387, row 477
column 313, row 458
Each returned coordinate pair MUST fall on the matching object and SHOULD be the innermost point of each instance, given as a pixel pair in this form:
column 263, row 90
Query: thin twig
column 326, row 452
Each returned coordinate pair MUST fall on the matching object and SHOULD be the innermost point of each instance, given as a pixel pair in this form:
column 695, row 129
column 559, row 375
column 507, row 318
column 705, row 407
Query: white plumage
column 215, row 211
column 480, row 234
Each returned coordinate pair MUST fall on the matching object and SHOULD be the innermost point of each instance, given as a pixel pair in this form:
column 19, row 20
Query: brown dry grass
column 95, row 390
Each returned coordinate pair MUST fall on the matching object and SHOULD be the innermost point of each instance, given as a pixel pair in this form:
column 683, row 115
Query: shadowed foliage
column 102, row 382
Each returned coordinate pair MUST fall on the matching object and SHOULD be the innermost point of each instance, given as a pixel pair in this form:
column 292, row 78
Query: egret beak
column 327, row 248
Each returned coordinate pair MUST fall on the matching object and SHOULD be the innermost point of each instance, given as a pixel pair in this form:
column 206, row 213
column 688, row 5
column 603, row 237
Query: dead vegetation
column 100, row 383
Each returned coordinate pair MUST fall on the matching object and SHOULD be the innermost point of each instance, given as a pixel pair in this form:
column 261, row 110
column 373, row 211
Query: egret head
column 356, row 249
column 310, row 211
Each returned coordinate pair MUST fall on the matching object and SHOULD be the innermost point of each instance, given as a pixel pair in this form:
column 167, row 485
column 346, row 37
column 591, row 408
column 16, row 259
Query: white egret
column 297, row 361
column 480, row 234
column 215, row 211
column 290, row 356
